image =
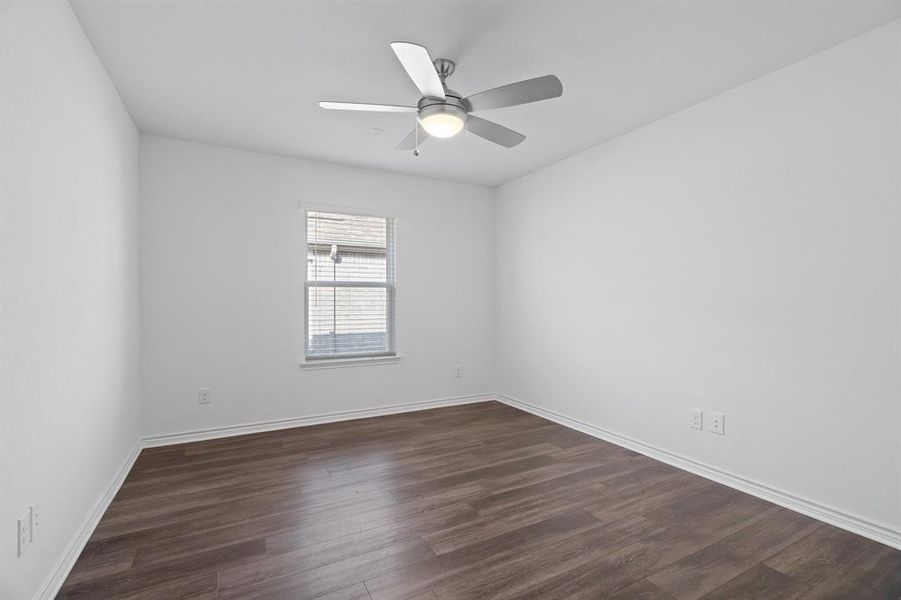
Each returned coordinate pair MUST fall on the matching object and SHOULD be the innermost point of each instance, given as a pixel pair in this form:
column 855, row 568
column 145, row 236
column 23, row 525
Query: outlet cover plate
column 717, row 423
column 35, row 513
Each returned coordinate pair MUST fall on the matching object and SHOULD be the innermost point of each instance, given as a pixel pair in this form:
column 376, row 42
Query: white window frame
column 356, row 359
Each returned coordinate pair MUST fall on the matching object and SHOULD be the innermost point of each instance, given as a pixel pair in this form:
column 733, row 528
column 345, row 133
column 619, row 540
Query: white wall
column 69, row 366
column 742, row 255
column 223, row 266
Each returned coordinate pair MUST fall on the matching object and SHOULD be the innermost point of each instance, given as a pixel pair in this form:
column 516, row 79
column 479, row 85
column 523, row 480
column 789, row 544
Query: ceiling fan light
column 442, row 125
column 442, row 120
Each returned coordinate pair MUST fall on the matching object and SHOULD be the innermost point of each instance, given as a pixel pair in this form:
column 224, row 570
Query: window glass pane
column 347, row 320
column 346, row 247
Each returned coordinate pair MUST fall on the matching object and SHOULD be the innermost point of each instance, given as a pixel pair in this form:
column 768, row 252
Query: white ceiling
column 249, row 74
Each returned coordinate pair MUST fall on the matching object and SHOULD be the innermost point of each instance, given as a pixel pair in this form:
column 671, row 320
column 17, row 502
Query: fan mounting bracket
column 445, row 67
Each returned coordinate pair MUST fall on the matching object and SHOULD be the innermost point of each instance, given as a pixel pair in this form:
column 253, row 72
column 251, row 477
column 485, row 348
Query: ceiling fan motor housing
column 453, row 105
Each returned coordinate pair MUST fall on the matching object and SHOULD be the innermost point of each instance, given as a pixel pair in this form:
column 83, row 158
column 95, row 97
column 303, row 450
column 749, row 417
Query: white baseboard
column 828, row 514
column 58, row 575
column 232, row 430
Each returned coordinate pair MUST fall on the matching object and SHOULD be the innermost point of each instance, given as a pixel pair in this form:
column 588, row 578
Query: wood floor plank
column 488, row 526
column 817, row 556
column 711, row 567
column 98, row 560
column 875, row 574
column 294, row 555
column 642, row 590
column 760, row 583
column 443, row 569
column 184, row 582
column 479, row 478
column 354, row 592
column 310, row 583
column 592, row 570
column 467, row 502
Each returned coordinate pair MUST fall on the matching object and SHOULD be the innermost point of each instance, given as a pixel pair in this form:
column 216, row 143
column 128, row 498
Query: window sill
column 337, row 363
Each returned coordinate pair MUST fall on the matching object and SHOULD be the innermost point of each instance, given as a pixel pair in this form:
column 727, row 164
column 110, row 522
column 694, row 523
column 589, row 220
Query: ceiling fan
column 442, row 112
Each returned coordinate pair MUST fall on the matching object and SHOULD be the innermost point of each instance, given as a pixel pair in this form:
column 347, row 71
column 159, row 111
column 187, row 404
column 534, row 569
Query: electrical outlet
column 203, row 396
column 35, row 514
column 696, row 420
column 458, row 371
column 24, row 533
column 718, row 423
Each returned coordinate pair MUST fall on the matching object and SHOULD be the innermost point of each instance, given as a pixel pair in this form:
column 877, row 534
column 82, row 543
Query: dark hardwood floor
column 477, row 501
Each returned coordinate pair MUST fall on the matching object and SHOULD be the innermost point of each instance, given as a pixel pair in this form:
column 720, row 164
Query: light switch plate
column 203, row 395
column 24, row 533
column 696, row 419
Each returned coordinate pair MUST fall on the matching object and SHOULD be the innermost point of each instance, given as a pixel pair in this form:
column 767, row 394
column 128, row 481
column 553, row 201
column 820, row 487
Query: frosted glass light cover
column 442, row 125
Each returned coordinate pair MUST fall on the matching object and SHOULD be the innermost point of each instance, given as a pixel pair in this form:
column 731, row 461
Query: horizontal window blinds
column 350, row 285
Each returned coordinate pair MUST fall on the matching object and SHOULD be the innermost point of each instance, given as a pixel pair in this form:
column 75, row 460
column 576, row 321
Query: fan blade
column 367, row 107
column 409, row 142
column 522, row 92
column 418, row 64
column 493, row 132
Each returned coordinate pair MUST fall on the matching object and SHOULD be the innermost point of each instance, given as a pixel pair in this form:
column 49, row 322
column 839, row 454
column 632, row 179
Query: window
column 350, row 286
